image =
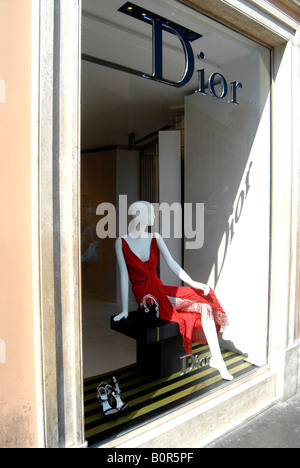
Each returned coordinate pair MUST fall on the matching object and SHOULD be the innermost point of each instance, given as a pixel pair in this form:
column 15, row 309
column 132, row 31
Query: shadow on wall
column 218, row 173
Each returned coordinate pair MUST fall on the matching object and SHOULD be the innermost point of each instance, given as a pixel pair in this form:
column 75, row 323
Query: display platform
column 149, row 398
column 158, row 344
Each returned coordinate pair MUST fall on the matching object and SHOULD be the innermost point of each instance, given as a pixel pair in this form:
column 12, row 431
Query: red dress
column 181, row 304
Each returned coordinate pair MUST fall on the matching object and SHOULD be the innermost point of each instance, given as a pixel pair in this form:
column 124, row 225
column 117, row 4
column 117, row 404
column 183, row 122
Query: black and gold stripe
column 149, row 398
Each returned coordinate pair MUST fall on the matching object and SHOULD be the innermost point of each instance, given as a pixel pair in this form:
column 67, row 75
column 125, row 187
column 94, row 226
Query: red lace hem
column 205, row 311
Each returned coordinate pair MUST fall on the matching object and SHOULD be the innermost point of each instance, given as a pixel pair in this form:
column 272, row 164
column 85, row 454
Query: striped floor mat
column 149, row 399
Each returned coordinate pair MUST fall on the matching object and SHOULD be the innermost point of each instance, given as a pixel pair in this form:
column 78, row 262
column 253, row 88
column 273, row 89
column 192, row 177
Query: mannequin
column 139, row 242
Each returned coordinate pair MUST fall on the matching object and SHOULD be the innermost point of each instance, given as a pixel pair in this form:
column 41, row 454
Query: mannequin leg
column 216, row 361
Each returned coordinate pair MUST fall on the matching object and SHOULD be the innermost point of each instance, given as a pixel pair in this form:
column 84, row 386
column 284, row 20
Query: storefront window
column 176, row 112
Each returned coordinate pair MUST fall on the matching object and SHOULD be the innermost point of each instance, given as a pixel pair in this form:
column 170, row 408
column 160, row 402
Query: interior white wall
column 227, row 167
column 170, row 192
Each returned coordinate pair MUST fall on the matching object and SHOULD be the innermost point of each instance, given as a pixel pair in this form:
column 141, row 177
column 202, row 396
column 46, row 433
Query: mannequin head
column 144, row 217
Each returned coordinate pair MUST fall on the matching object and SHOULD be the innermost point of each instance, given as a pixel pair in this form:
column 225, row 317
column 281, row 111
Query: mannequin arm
column 176, row 269
column 124, row 280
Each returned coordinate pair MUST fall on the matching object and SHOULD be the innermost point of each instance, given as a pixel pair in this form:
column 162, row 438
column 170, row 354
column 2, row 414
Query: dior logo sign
column 190, row 363
column 217, row 85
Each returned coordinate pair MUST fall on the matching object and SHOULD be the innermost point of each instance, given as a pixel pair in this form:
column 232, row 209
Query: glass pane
column 175, row 110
